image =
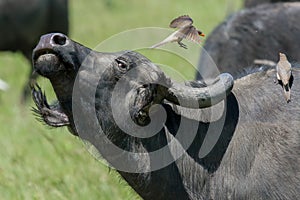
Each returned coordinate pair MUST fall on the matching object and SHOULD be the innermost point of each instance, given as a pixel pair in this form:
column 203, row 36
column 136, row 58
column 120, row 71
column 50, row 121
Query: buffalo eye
column 122, row 64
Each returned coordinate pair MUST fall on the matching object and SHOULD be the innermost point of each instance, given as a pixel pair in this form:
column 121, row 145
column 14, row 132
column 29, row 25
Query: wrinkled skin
column 255, row 157
column 253, row 33
column 22, row 22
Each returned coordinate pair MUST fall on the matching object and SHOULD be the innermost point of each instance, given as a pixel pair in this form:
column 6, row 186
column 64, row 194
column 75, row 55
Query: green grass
column 37, row 162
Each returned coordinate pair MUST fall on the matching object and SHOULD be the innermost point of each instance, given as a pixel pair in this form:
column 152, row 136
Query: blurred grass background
column 37, row 162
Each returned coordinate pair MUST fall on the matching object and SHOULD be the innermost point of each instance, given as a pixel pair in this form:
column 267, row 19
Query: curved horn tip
column 228, row 80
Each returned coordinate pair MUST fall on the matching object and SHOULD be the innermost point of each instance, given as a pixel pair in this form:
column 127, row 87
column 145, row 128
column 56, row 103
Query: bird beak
column 202, row 34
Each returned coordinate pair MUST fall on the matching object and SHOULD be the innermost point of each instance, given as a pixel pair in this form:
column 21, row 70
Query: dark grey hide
column 252, row 3
column 254, row 33
column 256, row 155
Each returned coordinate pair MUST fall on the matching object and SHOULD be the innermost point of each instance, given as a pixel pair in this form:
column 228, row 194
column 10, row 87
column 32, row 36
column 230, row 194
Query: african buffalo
column 255, row 33
column 252, row 3
column 116, row 100
column 22, row 22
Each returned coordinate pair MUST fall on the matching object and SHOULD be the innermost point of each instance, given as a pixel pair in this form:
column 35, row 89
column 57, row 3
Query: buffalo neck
column 63, row 82
column 171, row 178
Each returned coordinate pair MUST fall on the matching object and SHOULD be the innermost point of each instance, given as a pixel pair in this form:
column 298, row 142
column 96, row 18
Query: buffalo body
column 255, row 156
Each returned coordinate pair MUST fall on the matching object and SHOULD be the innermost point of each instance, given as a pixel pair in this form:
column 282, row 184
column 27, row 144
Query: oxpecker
column 185, row 30
column 284, row 73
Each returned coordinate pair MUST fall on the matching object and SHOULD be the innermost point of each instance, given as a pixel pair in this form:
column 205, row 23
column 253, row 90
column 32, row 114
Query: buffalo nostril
column 59, row 39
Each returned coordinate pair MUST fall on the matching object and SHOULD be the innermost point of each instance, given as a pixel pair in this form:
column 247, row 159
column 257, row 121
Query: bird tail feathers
column 287, row 92
column 158, row 44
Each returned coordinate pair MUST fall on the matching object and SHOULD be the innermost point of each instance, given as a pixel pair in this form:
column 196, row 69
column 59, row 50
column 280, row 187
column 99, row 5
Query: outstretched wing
column 181, row 22
column 192, row 34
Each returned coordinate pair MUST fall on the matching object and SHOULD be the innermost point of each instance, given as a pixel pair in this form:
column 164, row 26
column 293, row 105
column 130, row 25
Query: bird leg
column 182, row 45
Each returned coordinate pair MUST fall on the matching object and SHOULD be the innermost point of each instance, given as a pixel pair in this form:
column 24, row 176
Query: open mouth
column 46, row 62
column 45, row 56
column 40, row 52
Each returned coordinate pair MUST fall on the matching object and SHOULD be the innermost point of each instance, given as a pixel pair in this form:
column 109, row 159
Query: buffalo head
column 140, row 83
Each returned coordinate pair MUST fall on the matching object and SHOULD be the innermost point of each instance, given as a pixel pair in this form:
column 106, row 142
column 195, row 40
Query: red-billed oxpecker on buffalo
column 259, row 32
column 284, row 73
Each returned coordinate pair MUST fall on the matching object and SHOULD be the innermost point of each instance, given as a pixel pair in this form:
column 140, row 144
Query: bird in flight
column 284, row 73
column 186, row 30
